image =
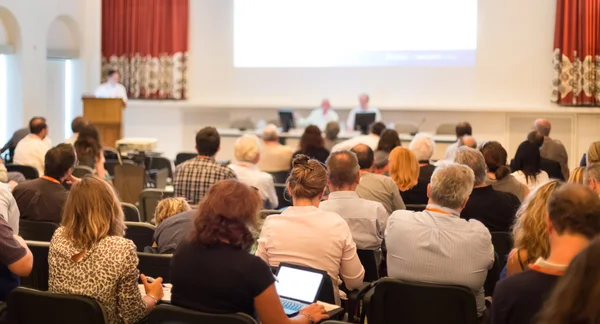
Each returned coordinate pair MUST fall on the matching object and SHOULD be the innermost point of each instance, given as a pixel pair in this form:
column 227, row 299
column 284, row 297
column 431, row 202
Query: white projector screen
column 354, row 33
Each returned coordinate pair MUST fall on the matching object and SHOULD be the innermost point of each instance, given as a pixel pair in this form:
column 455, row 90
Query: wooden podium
column 107, row 115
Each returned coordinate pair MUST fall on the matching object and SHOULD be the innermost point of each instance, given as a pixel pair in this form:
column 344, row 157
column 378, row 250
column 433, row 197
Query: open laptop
column 298, row 286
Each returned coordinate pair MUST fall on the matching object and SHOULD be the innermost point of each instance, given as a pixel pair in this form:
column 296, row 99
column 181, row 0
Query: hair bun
column 502, row 172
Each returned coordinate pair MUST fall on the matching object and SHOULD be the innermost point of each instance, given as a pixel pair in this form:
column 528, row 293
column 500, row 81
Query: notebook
column 297, row 286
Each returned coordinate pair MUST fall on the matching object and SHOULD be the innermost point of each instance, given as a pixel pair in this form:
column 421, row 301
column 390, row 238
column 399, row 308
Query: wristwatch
column 310, row 320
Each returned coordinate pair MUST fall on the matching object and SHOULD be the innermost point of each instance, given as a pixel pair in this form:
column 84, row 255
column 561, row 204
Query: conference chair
column 503, row 244
column 173, row 314
column 27, row 171
column 111, row 154
column 395, row 301
column 140, row 233
column 81, row 171
column 149, row 199
column 129, row 181
column 281, row 191
column 446, row 129
column 184, row 156
column 416, row 207
column 131, row 213
column 28, row 306
column 111, row 164
column 369, row 261
column 493, row 276
column 155, row 265
column 36, row 231
column 38, row 278
column 280, row 176
column 158, row 163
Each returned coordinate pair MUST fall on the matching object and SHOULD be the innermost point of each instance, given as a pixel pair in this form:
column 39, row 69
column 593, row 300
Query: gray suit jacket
column 555, row 150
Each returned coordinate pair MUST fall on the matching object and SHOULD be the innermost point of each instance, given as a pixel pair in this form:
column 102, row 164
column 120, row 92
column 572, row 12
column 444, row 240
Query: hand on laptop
column 314, row 312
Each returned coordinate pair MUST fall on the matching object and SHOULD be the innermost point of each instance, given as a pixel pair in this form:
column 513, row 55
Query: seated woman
column 89, row 256
column 169, row 207
column 527, row 166
column 530, row 229
column 388, row 141
column 305, row 235
column 247, row 154
column 576, row 176
column 405, row 170
column 312, row 145
column 213, row 272
column 88, row 147
column 498, row 175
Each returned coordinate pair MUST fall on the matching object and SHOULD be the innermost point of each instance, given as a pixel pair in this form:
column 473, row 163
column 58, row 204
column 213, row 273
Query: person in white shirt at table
column 363, row 107
column 112, row 88
column 32, row 149
column 319, row 117
column 247, row 154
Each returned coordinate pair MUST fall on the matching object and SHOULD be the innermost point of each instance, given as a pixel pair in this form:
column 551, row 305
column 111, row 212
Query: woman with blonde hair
column 89, row 256
column 576, row 176
column 169, row 207
column 530, row 232
column 404, row 170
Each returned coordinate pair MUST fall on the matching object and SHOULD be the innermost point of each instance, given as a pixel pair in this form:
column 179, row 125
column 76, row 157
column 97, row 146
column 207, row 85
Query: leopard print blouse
column 107, row 273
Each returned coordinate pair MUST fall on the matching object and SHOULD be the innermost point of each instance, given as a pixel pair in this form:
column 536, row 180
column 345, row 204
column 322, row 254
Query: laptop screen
column 298, row 284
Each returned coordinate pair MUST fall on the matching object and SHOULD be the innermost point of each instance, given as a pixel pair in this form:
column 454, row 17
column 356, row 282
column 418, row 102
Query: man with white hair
column 436, row 245
column 552, row 149
column 274, row 156
column 247, row 155
column 591, row 177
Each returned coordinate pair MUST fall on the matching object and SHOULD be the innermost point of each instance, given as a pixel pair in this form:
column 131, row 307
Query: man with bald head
column 552, row 149
column 320, row 116
column 32, row 149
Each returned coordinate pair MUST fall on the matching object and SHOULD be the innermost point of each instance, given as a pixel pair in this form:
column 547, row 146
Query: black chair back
column 110, row 165
column 140, row 233
column 503, row 244
column 369, row 262
column 177, row 315
column 416, row 207
column 27, row 171
column 184, row 156
column 36, row 231
column 38, row 278
column 149, row 199
column 131, row 213
column 280, row 190
column 111, row 154
column 493, row 276
column 158, row 163
column 280, row 176
column 155, row 265
column 81, row 171
column 396, row 301
column 28, row 306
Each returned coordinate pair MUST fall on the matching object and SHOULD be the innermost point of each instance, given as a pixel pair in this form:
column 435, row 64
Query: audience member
column 574, row 299
column 295, row 236
column 169, row 207
column 372, row 139
column 13, row 141
column 593, row 153
column 365, row 218
column 88, row 147
column 15, row 259
column 77, row 126
column 462, row 129
column 388, row 141
column 89, row 256
column 591, row 177
column 552, row 149
column 551, row 167
column 213, row 272
column 319, row 117
column 574, row 220
column 456, row 251
column 42, row 199
column 495, row 209
column 576, row 177
column 172, row 231
column 363, row 107
column 404, row 170
column 33, row 147
column 9, row 209
column 423, row 146
column 376, row 187
column 312, row 145
column 274, row 156
column 11, row 179
column 247, row 154
column 529, row 232
column 498, row 175
column 526, row 166
column 332, row 129
column 193, row 178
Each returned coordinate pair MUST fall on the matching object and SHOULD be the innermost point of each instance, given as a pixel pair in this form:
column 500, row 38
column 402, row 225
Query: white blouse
column 540, row 179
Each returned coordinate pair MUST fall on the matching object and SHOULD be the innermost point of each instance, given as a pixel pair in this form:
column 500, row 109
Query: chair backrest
column 184, row 156
column 27, row 171
column 280, row 190
column 178, row 315
column 81, row 171
column 446, row 129
column 111, row 153
column 493, row 276
column 155, row 265
column 416, row 207
column 110, row 165
column 36, row 231
column 38, row 278
column 149, row 199
column 33, row 306
column 396, row 301
column 140, row 233
column 280, row 176
column 131, row 213
column 266, row 212
column 369, row 262
column 158, row 163
column 503, row 244
column 129, row 181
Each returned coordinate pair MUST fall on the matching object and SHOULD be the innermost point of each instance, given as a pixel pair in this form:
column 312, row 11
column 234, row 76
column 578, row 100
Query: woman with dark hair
column 89, row 150
column 312, row 145
column 388, row 140
column 574, row 299
column 527, row 166
column 498, row 175
column 213, row 272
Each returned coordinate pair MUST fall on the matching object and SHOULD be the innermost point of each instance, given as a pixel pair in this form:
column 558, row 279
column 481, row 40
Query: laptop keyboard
column 291, row 305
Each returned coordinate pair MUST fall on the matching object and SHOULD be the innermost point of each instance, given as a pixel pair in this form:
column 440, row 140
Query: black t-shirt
column 518, row 299
column 41, row 200
column 495, row 209
column 417, row 195
column 220, row 279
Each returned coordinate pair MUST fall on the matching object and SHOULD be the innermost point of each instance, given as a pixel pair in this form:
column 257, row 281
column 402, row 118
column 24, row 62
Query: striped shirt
column 193, row 178
column 437, row 246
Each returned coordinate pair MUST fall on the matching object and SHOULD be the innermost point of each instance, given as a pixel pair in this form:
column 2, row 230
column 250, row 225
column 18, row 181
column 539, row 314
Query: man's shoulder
column 523, row 284
column 508, row 198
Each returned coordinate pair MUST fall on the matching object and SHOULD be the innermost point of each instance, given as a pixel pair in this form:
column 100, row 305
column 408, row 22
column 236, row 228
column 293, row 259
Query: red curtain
column 577, row 53
column 147, row 42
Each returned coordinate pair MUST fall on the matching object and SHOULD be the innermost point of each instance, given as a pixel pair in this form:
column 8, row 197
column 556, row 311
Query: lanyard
column 435, row 210
column 50, row 179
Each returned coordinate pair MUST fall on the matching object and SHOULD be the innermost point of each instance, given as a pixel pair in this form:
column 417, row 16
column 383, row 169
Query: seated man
column 77, row 125
column 32, row 149
column 16, row 137
column 495, row 209
column 552, row 149
column 591, row 177
column 423, row 147
column 173, row 230
column 553, row 168
column 436, row 245
column 363, row 107
column 9, row 209
column 573, row 221
column 366, row 219
column 318, row 117
column 43, row 199
column 376, row 187
column 462, row 129
column 193, row 178
column 372, row 139
column 274, row 156
column 15, row 259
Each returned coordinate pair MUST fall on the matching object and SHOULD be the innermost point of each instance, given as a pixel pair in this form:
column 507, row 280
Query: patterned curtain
column 577, row 53
column 147, row 42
